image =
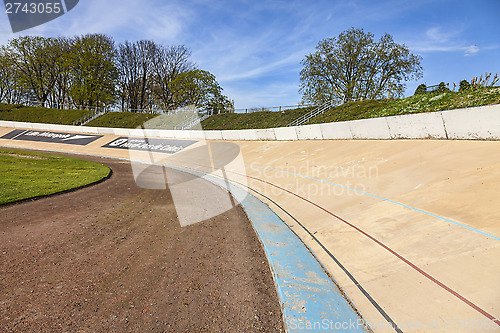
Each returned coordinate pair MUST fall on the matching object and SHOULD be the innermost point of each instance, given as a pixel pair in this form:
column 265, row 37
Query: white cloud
column 253, row 72
column 438, row 40
column 471, row 50
column 437, row 35
column 289, row 62
column 256, row 65
column 272, row 95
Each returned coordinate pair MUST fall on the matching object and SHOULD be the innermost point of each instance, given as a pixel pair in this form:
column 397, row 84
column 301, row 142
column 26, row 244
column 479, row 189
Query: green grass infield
column 29, row 174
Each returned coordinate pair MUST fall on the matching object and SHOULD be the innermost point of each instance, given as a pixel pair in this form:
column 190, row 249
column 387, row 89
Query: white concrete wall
column 120, row 131
column 473, row 123
column 17, row 124
column 231, row 135
column 336, row 131
column 374, row 128
column 101, row 130
column 285, row 133
column 213, row 135
column 195, row 134
column 265, row 134
column 417, row 126
column 309, row 132
column 249, row 135
column 480, row 123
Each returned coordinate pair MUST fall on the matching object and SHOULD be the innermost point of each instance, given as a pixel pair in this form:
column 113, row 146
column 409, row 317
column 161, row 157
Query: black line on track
column 353, row 279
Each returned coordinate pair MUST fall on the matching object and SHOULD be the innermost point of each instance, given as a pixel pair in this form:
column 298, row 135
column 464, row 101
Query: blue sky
column 254, row 48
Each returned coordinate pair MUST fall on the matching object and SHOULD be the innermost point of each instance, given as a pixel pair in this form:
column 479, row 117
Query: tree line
column 92, row 71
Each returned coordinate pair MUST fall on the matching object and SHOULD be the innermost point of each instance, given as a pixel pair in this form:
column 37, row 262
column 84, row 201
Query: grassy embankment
column 121, row 120
column 135, row 120
column 27, row 174
column 230, row 121
column 30, row 114
column 266, row 119
column 360, row 110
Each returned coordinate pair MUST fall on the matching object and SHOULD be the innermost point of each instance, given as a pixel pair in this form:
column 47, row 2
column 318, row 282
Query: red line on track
column 406, row 261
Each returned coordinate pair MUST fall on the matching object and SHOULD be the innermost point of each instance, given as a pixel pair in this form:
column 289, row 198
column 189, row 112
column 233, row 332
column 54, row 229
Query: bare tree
column 60, row 94
column 146, row 71
column 146, row 55
column 136, row 68
column 128, row 74
column 169, row 63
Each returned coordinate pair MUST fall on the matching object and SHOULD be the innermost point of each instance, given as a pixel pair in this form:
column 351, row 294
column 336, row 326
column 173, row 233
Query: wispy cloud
column 124, row 19
column 471, row 50
column 277, row 94
column 439, row 40
column 231, row 67
column 258, row 53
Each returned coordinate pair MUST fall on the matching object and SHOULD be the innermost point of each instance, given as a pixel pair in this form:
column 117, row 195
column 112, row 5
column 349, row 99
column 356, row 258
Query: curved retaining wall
column 478, row 123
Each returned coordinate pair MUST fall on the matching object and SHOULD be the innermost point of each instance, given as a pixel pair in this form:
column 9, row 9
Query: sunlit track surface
column 426, row 291
column 455, row 180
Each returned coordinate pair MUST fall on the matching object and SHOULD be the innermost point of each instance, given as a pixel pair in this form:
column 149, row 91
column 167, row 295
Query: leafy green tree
column 88, row 71
column 354, row 66
column 421, row 89
column 36, row 60
column 464, row 85
column 442, row 88
column 8, row 76
column 93, row 71
column 199, row 88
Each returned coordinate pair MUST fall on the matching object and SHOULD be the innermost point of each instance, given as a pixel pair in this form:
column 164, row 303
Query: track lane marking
column 383, row 199
column 406, row 261
column 393, row 252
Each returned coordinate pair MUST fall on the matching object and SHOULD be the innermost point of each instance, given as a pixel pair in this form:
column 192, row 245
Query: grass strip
column 28, row 174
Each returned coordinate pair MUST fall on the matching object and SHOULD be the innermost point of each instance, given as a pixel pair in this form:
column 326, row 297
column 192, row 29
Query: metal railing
column 272, row 108
column 191, row 122
column 94, row 114
column 310, row 115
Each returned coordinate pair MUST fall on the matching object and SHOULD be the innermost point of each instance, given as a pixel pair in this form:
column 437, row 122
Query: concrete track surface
column 408, row 229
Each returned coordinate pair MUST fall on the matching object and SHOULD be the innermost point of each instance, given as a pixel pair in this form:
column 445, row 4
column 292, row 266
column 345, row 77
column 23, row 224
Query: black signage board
column 169, row 146
column 52, row 137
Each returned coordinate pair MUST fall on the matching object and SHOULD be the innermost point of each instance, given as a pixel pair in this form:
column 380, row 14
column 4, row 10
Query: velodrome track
column 409, row 229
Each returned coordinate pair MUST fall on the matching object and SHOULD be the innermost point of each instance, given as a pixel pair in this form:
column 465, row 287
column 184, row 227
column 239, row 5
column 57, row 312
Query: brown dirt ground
column 113, row 258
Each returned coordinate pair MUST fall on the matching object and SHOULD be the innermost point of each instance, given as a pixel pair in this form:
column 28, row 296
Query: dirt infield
column 113, row 258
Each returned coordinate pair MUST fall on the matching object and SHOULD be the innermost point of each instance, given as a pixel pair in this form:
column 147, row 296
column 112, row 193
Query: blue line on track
column 381, row 198
column 310, row 300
